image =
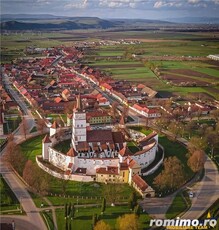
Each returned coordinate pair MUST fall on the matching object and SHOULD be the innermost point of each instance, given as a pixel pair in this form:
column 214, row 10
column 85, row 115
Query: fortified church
column 100, row 155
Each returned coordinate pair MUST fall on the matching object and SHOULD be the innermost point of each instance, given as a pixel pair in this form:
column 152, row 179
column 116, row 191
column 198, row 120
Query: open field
column 8, row 199
column 172, row 46
column 110, row 216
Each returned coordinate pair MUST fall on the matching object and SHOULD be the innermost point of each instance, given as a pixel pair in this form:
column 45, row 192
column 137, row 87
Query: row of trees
column 125, row 222
column 35, row 177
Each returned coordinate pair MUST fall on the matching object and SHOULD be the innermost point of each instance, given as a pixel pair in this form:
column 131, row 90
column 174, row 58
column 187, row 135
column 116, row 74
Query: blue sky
column 150, row 9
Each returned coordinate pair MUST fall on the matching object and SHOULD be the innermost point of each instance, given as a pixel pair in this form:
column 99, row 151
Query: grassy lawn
column 47, row 216
column 8, row 199
column 32, row 147
column 63, row 146
column 178, row 206
column 83, row 218
column 132, row 147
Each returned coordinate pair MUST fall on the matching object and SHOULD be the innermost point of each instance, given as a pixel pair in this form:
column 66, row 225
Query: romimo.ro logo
column 184, row 223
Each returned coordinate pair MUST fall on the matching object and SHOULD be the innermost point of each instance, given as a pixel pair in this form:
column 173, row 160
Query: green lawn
column 63, row 146
column 8, row 199
column 83, row 218
column 178, row 206
column 132, row 147
column 32, row 147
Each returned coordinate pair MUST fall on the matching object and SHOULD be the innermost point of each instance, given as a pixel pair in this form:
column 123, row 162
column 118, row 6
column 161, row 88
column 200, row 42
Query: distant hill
column 54, row 25
column 51, row 22
column 195, row 20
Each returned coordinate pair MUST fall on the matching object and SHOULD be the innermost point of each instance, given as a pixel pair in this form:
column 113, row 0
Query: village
column 88, row 100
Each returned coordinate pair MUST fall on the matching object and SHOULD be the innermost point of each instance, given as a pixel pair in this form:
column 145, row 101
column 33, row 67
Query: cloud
column 193, row 1
column 77, row 5
column 167, row 3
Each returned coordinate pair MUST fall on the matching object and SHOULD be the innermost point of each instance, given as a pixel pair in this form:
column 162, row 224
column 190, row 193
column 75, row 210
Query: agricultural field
column 180, row 57
column 174, row 62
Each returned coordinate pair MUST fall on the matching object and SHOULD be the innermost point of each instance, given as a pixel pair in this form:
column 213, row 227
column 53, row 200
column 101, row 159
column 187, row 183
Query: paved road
column 206, row 191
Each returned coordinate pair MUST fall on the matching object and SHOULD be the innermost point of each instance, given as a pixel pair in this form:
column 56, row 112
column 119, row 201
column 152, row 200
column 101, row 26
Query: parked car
column 191, row 194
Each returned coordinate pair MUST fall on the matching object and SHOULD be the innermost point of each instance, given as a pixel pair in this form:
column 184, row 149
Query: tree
column 212, row 138
column 189, row 127
column 63, row 183
column 94, row 219
column 128, row 222
column 69, row 225
column 112, row 192
column 15, row 157
column 40, row 124
column 103, row 207
column 24, row 127
column 196, row 143
column 174, row 128
column 137, row 210
column 197, row 160
column 72, row 211
column 66, row 210
column 215, row 114
column 114, row 109
column 101, row 225
column 132, row 200
column 125, row 112
column 69, row 209
column 33, row 175
column 172, row 175
column 28, row 173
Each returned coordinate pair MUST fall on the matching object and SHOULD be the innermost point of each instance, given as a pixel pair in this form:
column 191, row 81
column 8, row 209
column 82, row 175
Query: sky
column 148, row 9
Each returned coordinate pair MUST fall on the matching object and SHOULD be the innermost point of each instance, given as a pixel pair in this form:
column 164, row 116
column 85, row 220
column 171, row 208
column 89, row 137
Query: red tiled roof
column 139, row 182
column 46, row 139
column 125, row 152
column 148, row 137
column 70, row 165
column 68, row 172
column 99, row 136
column 58, row 99
column 123, row 166
column 108, row 170
column 72, row 153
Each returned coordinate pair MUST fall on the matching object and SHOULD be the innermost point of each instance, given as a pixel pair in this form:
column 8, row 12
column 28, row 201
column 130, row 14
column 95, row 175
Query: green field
column 8, row 199
column 178, row 206
column 83, row 218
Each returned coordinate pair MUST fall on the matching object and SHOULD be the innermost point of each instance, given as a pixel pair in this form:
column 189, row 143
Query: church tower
column 79, row 133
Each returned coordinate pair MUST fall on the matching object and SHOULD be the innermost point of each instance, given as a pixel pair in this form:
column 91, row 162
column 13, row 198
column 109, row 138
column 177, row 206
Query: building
column 99, row 155
column 98, row 117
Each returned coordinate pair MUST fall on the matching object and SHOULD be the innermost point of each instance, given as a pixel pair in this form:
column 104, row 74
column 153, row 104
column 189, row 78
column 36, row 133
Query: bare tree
column 125, row 112
column 24, row 127
column 40, row 123
column 197, row 160
column 197, row 143
column 172, row 175
column 15, row 157
column 114, row 109
column 212, row 138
